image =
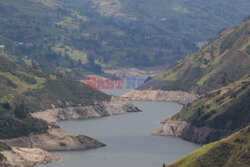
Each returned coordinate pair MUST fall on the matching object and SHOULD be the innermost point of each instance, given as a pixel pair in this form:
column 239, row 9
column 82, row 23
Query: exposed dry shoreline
column 186, row 131
column 33, row 149
column 26, row 157
column 57, row 139
column 160, row 95
column 99, row 109
column 177, row 128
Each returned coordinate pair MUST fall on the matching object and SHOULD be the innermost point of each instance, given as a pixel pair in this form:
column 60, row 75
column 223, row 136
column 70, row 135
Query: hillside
column 231, row 151
column 27, row 90
column 39, row 90
column 214, row 115
column 224, row 60
column 81, row 36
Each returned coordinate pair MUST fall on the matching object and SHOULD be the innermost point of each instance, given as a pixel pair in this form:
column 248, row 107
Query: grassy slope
column 225, row 108
column 224, row 60
column 26, row 90
column 231, row 151
column 134, row 35
column 39, row 90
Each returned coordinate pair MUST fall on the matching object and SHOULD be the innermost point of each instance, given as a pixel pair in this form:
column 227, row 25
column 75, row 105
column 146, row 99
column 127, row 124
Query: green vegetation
column 25, row 90
column 223, row 109
column 37, row 90
column 224, row 60
column 3, row 147
column 231, row 151
column 16, row 122
column 76, row 37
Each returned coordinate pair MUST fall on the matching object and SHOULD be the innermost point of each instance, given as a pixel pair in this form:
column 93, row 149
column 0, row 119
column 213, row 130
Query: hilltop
column 86, row 36
column 224, row 60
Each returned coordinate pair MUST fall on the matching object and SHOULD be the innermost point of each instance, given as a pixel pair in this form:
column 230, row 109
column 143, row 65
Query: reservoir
column 128, row 139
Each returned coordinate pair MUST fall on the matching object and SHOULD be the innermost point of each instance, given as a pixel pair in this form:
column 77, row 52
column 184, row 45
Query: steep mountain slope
column 25, row 91
column 79, row 36
column 39, row 91
column 224, row 60
column 231, row 151
column 214, row 115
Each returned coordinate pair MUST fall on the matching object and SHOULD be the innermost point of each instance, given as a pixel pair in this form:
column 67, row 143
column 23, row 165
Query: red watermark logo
column 127, row 83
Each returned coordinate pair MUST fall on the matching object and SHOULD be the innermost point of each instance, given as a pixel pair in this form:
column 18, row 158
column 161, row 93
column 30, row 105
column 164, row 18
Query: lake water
column 128, row 139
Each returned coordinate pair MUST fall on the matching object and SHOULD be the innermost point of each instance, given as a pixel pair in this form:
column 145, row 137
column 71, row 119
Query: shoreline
column 28, row 151
column 160, row 95
column 186, row 131
column 26, row 157
column 115, row 106
column 56, row 139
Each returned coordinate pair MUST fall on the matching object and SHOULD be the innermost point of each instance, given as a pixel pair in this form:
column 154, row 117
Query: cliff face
column 160, row 95
column 99, row 109
column 213, row 116
column 187, row 131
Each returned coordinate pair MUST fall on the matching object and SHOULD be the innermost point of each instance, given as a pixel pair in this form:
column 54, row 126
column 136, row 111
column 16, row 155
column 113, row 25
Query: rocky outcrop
column 55, row 139
column 99, row 109
column 160, row 95
column 186, row 131
column 26, row 157
column 171, row 128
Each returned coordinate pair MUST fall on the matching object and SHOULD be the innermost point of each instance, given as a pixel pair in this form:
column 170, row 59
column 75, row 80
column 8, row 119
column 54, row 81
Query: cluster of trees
column 15, row 121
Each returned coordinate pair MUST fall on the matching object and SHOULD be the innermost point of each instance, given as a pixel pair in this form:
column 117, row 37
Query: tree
column 6, row 105
column 20, row 111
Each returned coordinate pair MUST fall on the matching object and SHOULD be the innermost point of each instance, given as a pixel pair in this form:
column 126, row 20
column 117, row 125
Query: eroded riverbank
column 128, row 139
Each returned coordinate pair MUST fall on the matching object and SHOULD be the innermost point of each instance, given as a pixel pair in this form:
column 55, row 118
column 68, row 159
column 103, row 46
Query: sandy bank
column 26, row 157
column 55, row 139
column 160, row 95
column 107, row 108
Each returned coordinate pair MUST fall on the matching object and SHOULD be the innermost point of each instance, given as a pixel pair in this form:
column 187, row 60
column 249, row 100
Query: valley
column 124, row 83
column 129, row 142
